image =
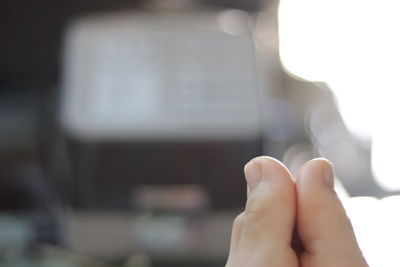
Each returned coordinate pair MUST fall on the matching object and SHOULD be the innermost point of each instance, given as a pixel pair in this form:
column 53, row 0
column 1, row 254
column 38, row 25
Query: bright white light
column 385, row 149
column 353, row 46
column 376, row 228
column 362, row 212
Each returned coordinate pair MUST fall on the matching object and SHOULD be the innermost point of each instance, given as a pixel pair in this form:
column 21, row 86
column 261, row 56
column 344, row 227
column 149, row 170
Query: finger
column 268, row 219
column 323, row 226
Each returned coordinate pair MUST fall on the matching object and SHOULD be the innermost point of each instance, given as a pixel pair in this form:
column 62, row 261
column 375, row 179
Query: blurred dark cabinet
column 106, row 175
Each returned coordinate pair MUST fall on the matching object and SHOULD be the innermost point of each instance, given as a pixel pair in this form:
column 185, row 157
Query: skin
column 288, row 223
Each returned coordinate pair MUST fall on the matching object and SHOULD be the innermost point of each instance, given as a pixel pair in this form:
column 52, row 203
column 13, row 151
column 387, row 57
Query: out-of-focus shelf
column 111, row 236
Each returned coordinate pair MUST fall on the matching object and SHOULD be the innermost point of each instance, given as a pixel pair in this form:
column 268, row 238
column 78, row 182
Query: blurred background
column 125, row 125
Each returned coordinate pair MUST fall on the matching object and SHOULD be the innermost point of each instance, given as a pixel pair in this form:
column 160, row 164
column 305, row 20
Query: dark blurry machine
column 160, row 98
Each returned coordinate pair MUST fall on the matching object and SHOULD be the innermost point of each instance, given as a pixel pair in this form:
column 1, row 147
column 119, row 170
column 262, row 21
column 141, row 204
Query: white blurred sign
column 142, row 76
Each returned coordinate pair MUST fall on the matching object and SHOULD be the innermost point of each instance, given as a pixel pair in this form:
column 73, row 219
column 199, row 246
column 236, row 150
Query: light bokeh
column 353, row 46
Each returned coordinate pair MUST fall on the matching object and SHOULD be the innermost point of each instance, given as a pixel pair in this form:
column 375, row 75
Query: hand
column 277, row 207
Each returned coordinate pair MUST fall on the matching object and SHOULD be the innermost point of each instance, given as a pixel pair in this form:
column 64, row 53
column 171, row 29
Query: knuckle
column 255, row 204
column 256, row 210
column 238, row 221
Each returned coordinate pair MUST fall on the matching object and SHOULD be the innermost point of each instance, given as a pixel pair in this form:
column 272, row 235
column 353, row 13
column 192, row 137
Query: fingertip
column 266, row 169
column 320, row 163
column 317, row 170
column 271, row 165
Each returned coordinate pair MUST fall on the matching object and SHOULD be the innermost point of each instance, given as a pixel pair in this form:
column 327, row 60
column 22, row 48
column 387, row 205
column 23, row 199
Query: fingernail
column 329, row 174
column 253, row 175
